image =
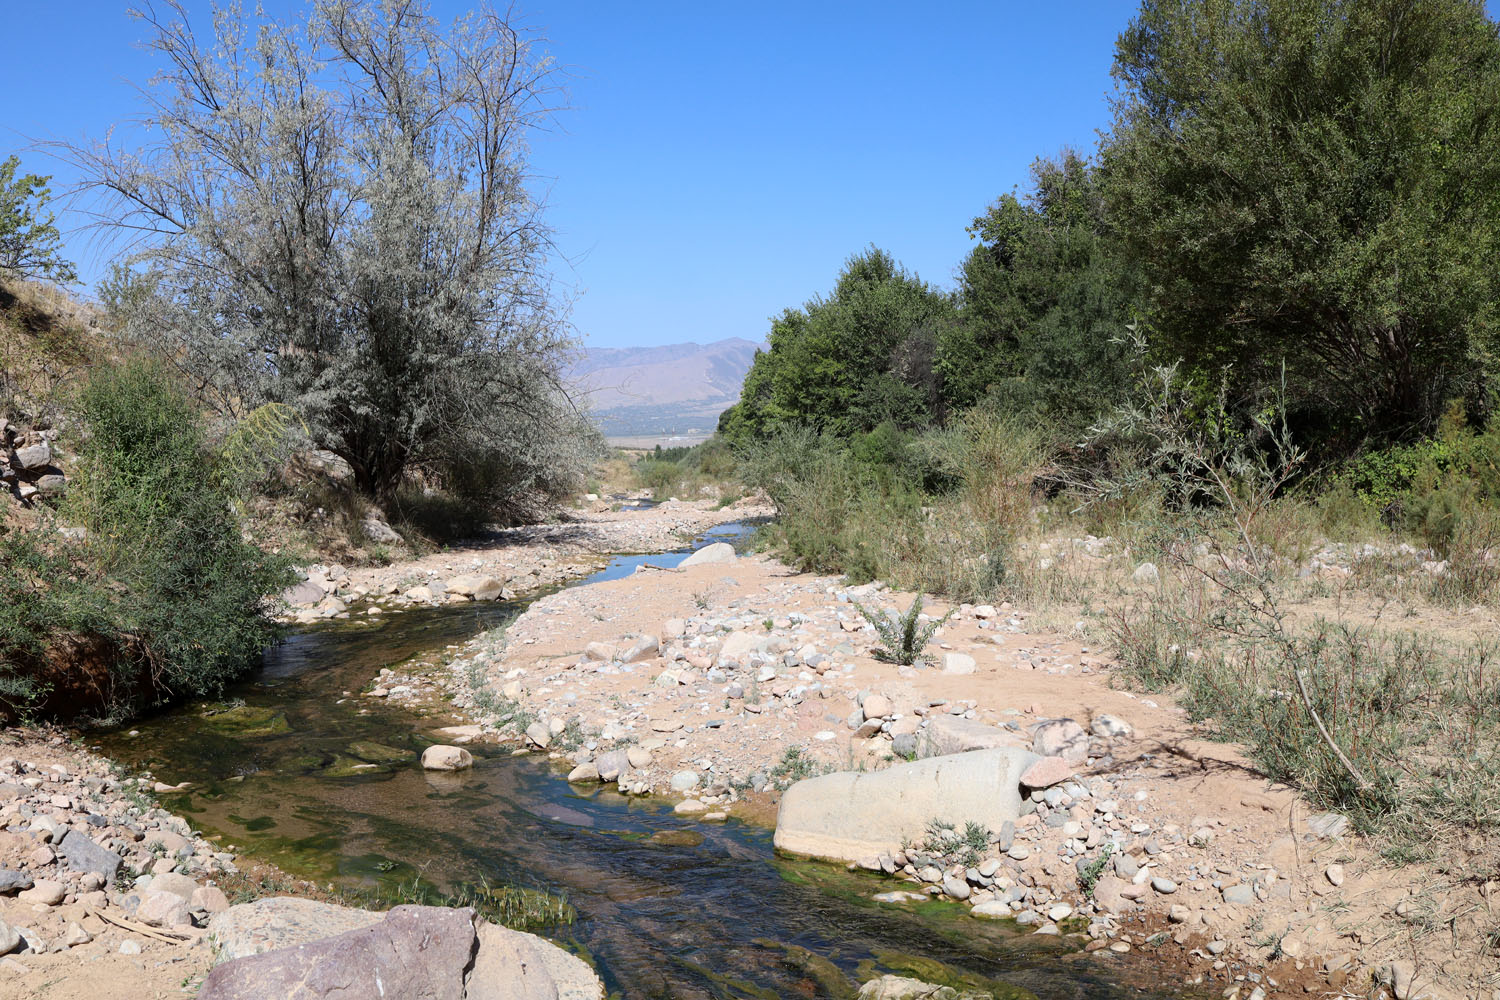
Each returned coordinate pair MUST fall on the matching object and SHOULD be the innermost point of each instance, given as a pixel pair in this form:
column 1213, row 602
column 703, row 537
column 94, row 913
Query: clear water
column 288, row 776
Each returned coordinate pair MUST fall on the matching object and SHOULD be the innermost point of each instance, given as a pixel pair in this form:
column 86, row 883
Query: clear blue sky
column 718, row 162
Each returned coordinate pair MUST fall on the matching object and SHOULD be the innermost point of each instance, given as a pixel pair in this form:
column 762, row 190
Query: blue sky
column 717, row 162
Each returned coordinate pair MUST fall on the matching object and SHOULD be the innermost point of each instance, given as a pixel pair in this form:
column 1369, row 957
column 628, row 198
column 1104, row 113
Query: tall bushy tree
column 30, row 245
column 334, row 215
column 850, row 362
column 1043, row 302
column 1315, row 182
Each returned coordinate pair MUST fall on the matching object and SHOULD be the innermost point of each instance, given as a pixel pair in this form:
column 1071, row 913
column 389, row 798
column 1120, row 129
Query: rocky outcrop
column 28, row 462
column 849, row 816
column 323, row 951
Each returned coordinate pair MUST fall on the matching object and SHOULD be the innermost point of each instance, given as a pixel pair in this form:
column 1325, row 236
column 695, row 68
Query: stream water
column 327, row 786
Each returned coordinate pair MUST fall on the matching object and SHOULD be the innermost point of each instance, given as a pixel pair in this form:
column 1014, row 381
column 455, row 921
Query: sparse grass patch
column 1412, row 745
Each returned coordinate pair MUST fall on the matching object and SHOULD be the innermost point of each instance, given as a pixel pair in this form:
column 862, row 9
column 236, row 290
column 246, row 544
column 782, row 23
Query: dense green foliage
column 162, row 585
column 1042, row 303
column 1314, row 183
column 29, row 240
column 1293, row 212
column 849, row 362
column 684, row 471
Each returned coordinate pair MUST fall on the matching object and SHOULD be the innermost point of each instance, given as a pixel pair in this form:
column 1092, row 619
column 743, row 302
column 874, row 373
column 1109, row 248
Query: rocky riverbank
column 102, row 893
column 508, row 562
column 106, row 896
column 725, row 682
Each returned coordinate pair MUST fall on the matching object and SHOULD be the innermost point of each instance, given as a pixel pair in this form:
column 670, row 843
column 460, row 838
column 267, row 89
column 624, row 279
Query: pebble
column 956, row 887
column 46, row 891
column 1165, row 886
column 1239, row 895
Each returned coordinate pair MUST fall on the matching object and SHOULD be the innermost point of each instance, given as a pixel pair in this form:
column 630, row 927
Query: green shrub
column 158, row 508
column 163, row 580
column 941, row 521
column 904, row 636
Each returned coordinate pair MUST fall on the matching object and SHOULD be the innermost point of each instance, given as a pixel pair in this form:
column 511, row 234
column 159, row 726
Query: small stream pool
column 327, row 786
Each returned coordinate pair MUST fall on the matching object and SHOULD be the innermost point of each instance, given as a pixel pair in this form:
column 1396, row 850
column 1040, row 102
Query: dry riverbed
column 508, row 562
column 720, row 684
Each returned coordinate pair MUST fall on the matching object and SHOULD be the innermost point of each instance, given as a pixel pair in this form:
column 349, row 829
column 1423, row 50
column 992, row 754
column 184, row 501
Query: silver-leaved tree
column 334, row 214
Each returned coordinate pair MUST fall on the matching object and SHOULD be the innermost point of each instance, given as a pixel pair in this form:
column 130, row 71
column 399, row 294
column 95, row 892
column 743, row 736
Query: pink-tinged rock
column 1061, row 738
column 163, row 909
column 1047, row 772
column 46, row 891
column 416, row 951
column 1110, row 895
column 209, row 898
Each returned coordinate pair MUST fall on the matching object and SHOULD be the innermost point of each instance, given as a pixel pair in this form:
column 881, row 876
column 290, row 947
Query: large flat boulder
column 300, row 949
column 281, row 922
column 849, row 816
column 950, row 734
column 415, row 952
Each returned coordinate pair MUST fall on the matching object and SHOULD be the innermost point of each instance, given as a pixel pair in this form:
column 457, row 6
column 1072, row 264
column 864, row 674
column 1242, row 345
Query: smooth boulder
column 709, row 555
column 441, row 757
column 950, row 734
column 514, row 965
column 322, row 951
column 847, row 815
column 480, row 588
column 416, row 952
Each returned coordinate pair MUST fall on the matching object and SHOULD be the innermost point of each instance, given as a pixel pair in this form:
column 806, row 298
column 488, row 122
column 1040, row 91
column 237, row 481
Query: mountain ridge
column 662, row 389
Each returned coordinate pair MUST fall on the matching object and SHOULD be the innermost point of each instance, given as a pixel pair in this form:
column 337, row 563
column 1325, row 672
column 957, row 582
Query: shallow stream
column 328, row 787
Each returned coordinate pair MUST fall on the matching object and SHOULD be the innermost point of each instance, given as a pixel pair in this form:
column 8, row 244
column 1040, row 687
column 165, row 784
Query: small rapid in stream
column 664, row 907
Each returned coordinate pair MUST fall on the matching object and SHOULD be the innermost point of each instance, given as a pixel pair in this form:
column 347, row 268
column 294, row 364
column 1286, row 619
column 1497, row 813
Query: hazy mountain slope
column 670, row 389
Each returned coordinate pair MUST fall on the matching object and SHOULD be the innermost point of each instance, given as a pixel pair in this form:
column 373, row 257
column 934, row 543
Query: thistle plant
column 903, row 637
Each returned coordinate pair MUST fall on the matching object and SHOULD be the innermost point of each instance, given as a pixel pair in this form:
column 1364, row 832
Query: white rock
column 441, row 757
column 718, row 552
column 958, row 663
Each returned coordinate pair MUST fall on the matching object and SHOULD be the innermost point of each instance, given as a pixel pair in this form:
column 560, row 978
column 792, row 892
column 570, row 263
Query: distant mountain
column 674, row 389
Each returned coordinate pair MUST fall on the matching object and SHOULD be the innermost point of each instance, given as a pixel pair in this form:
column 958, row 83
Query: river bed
column 291, row 769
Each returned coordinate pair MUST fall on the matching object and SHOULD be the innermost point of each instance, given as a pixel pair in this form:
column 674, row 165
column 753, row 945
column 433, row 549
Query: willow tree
column 1313, row 182
column 334, row 214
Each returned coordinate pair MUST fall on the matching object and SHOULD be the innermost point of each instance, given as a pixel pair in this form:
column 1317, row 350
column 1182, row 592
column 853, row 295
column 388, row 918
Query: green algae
column 676, row 838
column 246, row 720
column 830, row 979
column 378, row 753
